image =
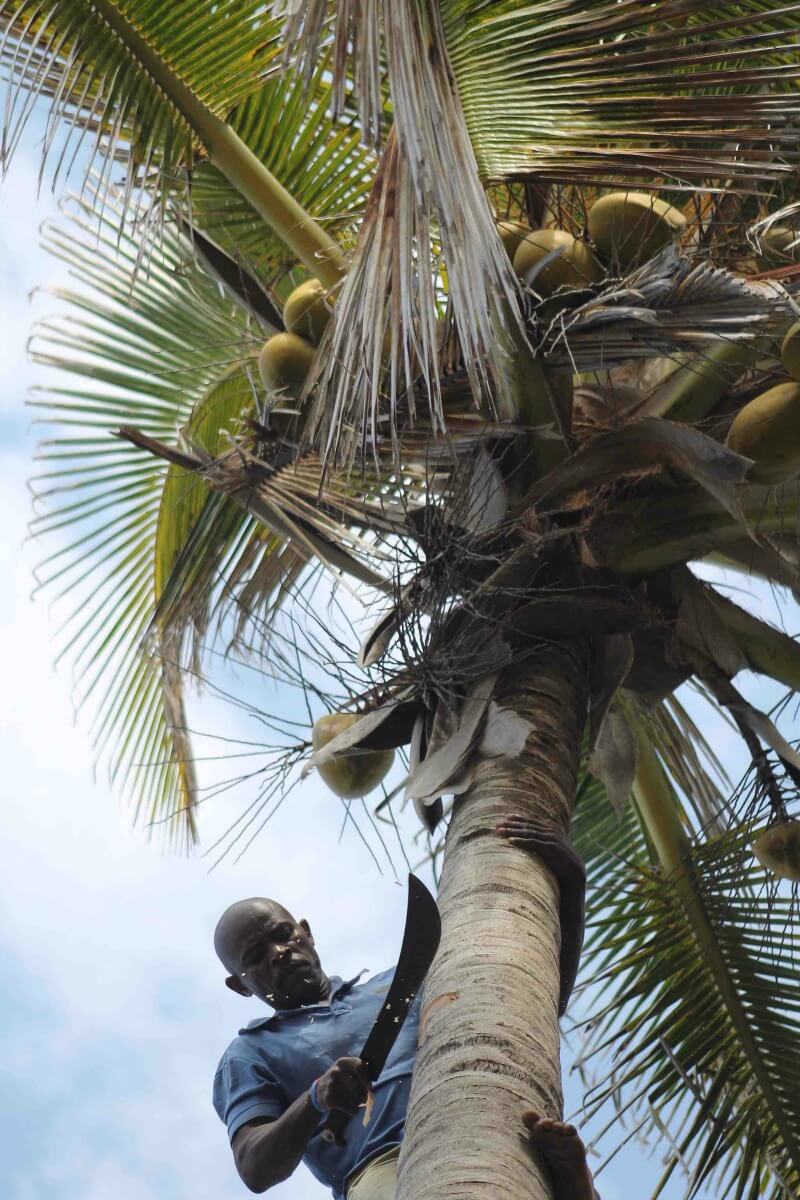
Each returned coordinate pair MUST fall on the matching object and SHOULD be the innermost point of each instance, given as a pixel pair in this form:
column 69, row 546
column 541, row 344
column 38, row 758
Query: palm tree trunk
column 489, row 1037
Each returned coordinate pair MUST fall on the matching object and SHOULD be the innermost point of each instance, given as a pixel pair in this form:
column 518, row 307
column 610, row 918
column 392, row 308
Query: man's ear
column 305, row 925
column 236, row 985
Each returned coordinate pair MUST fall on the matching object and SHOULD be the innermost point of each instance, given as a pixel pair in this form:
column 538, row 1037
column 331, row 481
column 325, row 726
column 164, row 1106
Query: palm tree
column 521, row 468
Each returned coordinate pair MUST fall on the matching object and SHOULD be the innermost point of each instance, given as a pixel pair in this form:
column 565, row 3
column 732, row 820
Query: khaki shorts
column 378, row 1179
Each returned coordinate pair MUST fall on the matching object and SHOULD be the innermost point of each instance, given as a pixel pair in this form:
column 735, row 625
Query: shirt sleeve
column 244, row 1090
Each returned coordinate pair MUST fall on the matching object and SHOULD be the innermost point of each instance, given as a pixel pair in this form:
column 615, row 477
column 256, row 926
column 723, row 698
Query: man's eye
column 285, row 933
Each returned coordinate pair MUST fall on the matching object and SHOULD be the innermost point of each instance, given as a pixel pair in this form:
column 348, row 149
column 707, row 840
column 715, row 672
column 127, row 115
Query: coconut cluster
column 624, row 230
column 285, row 359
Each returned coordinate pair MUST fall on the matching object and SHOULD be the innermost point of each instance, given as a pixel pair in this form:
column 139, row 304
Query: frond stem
column 665, row 532
column 270, row 199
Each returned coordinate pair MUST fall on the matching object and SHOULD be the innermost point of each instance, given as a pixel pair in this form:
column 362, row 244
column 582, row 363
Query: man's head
column 269, row 954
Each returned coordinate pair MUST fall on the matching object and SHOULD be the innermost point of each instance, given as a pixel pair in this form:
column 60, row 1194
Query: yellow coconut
column 284, row 363
column 512, row 233
column 306, row 312
column 352, row 774
column 575, row 266
column 768, row 431
column 628, row 228
column 777, row 248
column 778, row 849
column 790, row 351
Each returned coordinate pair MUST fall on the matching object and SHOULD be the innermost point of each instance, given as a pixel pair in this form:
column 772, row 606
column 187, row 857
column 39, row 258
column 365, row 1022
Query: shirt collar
column 339, row 987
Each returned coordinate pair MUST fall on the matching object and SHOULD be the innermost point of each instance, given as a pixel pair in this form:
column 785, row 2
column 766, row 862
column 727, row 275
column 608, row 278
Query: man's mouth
column 292, row 967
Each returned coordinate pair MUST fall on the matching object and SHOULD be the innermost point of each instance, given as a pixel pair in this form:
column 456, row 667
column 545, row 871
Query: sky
column 115, row 1013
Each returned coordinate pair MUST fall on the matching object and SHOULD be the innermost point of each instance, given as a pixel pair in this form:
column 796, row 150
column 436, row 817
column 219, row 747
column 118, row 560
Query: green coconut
column 284, row 363
column 790, row 351
column 512, row 234
column 574, row 268
column 778, row 849
column 777, row 249
column 355, row 772
column 306, row 312
column 628, row 228
column 768, row 431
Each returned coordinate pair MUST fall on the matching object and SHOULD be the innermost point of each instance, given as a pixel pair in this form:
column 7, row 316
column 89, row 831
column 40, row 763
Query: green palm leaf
column 322, row 162
column 711, row 936
column 151, row 90
column 143, row 346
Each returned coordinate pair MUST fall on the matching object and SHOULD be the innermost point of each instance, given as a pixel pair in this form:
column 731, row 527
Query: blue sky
column 114, row 1008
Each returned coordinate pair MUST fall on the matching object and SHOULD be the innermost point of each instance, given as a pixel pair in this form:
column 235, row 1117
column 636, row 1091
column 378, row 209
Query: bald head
column 240, row 917
column 269, row 954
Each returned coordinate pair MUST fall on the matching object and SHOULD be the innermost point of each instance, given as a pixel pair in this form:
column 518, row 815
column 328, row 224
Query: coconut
column 306, row 312
column 512, row 233
column 628, row 228
column 284, row 363
column 778, row 849
column 790, row 351
column 574, row 268
column 768, row 431
column 354, row 772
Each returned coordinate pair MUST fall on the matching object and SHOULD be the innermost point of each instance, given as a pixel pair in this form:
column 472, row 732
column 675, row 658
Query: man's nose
column 281, row 952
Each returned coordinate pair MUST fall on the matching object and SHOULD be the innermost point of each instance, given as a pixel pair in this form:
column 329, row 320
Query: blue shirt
column 275, row 1059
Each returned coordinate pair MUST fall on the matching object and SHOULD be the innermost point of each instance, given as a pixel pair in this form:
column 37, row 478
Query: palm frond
column 670, row 305
column 591, row 92
column 320, row 160
column 428, row 216
column 711, row 937
column 143, row 345
column 155, row 95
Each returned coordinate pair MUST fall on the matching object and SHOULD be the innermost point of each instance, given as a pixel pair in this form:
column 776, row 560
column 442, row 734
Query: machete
column 420, row 943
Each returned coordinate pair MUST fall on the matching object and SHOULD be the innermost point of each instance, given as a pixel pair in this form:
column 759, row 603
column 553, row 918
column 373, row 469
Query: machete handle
column 334, row 1127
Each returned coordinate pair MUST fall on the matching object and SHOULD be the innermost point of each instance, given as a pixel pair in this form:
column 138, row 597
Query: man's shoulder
column 381, row 979
column 249, row 1043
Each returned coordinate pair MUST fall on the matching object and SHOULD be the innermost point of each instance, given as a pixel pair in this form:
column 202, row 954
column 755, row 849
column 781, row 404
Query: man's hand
column 345, row 1085
column 547, row 839
column 267, row 1152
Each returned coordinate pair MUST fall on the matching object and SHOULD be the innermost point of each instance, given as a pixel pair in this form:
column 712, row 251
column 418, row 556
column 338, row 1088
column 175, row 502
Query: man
column 277, row 1081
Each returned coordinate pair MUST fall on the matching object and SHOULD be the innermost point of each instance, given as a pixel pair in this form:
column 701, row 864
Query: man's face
column 271, row 954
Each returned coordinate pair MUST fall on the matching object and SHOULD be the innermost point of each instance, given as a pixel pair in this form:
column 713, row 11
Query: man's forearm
column 269, row 1153
column 573, row 918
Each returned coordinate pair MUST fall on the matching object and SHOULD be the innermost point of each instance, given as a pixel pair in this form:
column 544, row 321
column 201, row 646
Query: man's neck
column 323, row 997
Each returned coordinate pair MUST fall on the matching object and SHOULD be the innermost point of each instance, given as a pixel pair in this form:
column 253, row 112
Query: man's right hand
column 345, row 1085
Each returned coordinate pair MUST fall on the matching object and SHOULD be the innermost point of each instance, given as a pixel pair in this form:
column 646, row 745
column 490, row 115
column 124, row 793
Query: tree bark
column 489, row 1036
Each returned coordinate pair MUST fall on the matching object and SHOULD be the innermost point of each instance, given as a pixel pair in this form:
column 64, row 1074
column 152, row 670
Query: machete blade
column 420, row 943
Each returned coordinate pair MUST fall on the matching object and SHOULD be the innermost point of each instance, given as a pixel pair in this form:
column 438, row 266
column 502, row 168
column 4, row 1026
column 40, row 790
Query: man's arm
column 266, row 1152
column 547, row 839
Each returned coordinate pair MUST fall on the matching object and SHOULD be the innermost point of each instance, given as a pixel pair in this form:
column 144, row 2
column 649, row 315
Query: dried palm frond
column 580, row 92
column 428, row 213
column 671, row 304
